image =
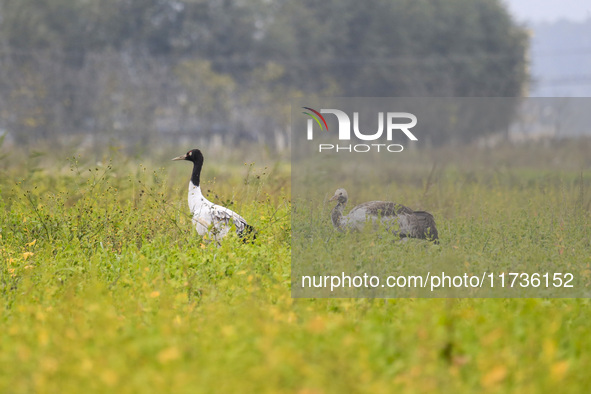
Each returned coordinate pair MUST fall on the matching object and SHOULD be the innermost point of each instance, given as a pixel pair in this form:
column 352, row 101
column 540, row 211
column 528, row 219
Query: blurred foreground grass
column 106, row 287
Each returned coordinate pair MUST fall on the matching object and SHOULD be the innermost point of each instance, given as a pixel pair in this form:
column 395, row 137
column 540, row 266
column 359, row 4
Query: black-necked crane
column 211, row 220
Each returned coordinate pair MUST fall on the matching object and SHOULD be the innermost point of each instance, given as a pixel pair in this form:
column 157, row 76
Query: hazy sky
column 550, row 10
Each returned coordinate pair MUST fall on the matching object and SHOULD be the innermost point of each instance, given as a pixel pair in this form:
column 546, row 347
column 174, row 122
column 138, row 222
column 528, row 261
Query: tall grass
column 106, row 287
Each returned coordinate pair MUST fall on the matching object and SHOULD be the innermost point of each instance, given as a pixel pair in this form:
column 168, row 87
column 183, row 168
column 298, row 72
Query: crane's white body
column 212, row 221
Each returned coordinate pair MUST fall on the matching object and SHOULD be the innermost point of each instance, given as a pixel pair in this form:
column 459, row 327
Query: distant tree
column 401, row 47
column 404, row 48
column 72, row 65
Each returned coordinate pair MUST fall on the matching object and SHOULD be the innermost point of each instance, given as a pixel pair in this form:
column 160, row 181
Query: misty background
column 220, row 72
column 560, row 48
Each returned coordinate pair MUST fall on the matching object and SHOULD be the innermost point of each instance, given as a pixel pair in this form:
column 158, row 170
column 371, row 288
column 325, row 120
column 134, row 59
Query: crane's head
column 194, row 155
column 340, row 195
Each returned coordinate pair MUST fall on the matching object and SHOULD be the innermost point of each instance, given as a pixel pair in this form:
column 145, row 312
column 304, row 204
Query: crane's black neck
column 337, row 215
column 196, row 175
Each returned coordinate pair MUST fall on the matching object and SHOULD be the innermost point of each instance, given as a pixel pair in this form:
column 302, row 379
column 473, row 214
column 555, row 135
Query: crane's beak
column 335, row 197
column 182, row 157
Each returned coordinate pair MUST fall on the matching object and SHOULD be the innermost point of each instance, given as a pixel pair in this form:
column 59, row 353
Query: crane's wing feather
column 226, row 217
column 426, row 225
column 381, row 208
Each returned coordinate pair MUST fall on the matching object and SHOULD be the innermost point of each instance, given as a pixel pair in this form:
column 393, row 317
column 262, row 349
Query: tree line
column 141, row 69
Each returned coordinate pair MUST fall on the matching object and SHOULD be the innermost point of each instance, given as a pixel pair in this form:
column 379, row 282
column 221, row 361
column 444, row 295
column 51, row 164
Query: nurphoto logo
column 393, row 124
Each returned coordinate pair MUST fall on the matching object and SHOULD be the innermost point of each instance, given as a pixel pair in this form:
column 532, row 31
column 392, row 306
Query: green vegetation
column 129, row 68
column 106, row 286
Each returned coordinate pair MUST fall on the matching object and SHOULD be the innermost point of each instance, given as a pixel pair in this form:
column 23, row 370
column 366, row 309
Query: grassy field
column 493, row 216
column 106, row 287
